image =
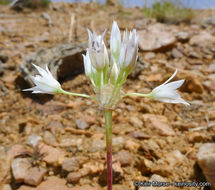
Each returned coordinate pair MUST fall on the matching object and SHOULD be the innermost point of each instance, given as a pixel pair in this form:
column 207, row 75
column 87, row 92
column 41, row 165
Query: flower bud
column 129, row 49
column 115, row 40
column 97, row 51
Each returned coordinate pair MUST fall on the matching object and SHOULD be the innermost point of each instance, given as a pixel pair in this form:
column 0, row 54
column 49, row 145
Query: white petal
column 115, row 38
column 174, row 85
column 171, row 77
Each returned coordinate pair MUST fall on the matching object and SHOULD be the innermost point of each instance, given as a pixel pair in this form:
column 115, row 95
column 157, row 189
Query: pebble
column 131, row 145
column 20, row 168
column 139, row 135
column 5, row 187
column 33, row 140
column 117, row 174
column 156, row 38
column 155, row 122
column 149, row 55
column 24, row 187
column 53, row 156
column 5, row 174
column 86, row 187
column 81, row 124
column 16, row 150
column 192, row 84
column 94, row 167
column 136, row 122
column 155, row 178
column 182, row 37
column 206, row 161
column 35, row 176
column 3, row 58
column 176, row 53
column 50, row 139
column 194, row 55
column 175, row 157
column 118, row 143
column 53, row 183
column 74, row 177
column 70, row 165
column 124, row 157
column 98, row 145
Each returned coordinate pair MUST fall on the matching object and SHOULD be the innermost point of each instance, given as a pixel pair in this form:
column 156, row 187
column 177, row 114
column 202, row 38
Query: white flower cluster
column 108, row 75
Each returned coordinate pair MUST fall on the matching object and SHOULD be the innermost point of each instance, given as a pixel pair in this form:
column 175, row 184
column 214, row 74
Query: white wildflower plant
column 108, row 75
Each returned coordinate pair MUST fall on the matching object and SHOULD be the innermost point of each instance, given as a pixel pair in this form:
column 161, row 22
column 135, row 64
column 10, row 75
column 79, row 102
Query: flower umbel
column 45, row 82
column 166, row 92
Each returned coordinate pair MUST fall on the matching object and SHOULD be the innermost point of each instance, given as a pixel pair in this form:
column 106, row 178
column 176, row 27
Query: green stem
column 150, row 95
column 108, row 125
column 75, row 94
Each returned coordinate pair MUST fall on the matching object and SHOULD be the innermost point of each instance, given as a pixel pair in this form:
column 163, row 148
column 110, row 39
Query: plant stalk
column 108, row 125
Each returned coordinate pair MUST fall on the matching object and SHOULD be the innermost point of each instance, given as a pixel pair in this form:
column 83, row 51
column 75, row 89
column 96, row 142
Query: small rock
column 33, row 140
column 20, row 168
column 85, row 187
column 155, row 178
column 204, row 39
column 70, row 165
column 118, row 143
column 5, row 174
column 50, row 139
column 1, row 69
column 5, row 187
column 35, row 176
column 176, row 54
column 175, row 157
column 120, row 187
column 182, row 37
column 208, row 21
column 69, row 142
column 124, row 157
column 98, row 145
column 53, row 183
column 94, row 167
column 194, row 55
column 145, row 166
column 64, row 60
column 136, row 122
column 52, row 155
column 192, row 84
column 24, row 187
column 155, row 122
column 195, row 137
column 138, row 135
column 81, row 124
column 74, row 177
column 117, row 174
column 131, row 145
column 16, row 150
column 3, row 58
column 156, row 37
column 149, row 55
column 206, row 161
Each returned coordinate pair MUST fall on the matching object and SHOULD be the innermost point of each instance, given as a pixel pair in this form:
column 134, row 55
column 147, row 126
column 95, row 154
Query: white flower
column 166, row 92
column 45, row 82
column 129, row 49
column 115, row 40
column 87, row 64
column 97, row 50
column 114, row 73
